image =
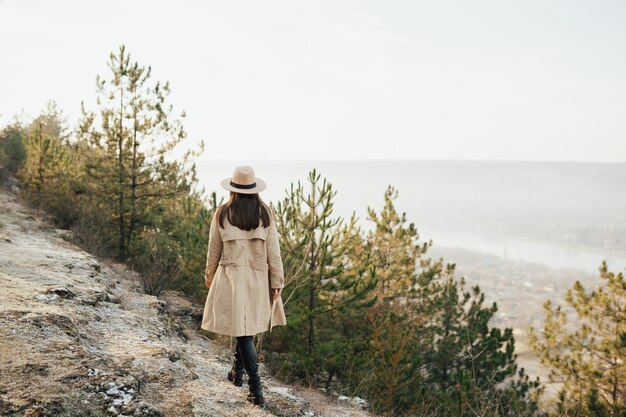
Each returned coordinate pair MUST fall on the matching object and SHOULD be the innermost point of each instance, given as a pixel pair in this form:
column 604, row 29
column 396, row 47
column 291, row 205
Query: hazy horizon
column 247, row 161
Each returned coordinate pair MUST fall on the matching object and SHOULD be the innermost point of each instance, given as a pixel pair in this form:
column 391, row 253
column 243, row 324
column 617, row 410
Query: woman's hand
column 207, row 283
column 275, row 293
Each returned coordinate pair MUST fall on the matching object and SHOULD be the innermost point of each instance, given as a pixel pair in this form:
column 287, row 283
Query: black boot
column 256, row 391
column 236, row 373
column 248, row 352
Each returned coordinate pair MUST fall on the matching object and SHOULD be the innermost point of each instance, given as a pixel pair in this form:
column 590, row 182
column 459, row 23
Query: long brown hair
column 245, row 211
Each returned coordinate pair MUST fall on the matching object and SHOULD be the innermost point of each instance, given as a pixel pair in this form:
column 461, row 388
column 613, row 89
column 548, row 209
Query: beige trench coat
column 243, row 267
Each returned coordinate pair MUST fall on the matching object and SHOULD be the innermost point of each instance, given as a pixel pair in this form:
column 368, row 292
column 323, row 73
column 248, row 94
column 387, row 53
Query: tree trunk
column 311, row 321
column 133, row 190
column 120, row 168
column 40, row 175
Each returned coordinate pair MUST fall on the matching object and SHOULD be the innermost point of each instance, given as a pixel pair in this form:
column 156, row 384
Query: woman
column 244, row 274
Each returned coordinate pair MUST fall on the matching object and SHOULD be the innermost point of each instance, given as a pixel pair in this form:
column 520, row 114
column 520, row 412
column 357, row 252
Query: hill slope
column 77, row 337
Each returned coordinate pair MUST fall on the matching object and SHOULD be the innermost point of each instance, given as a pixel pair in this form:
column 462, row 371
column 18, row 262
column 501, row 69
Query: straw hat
column 243, row 181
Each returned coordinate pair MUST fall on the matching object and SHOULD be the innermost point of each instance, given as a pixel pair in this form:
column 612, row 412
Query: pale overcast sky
column 508, row 80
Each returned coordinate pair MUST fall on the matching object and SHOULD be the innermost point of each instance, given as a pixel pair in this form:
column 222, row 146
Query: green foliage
column 393, row 246
column 12, row 152
column 587, row 355
column 431, row 345
column 129, row 172
column 114, row 181
column 50, row 171
column 411, row 340
column 393, row 371
column 187, row 221
column 466, row 359
column 52, row 122
column 323, row 281
column 46, row 161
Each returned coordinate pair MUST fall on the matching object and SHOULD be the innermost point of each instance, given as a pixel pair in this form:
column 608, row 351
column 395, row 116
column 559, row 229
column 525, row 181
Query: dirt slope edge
column 77, row 337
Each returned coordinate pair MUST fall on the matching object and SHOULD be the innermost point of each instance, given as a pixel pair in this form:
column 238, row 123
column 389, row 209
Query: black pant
column 245, row 346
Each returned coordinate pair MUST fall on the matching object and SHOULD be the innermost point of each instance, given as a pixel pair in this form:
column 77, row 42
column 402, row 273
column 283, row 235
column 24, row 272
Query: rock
column 191, row 315
column 93, row 298
column 96, row 372
column 46, row 298
column 42, row 320
column 62, row 292
column 283, row 391
column 162, row 307
column 66, row 235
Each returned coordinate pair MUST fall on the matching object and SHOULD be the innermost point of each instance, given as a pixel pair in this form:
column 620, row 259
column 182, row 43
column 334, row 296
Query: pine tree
column 467, row 361
column 392, row 372
column 53, row 122
column 12, row 151
column 393, row 246
column 137, row 133
column 46, row 159
column 431, row 342
column 321, row 281
column 587, row 353
column 40, row 140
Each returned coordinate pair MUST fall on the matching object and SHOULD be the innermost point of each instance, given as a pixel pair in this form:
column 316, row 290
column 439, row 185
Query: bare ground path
column 78, row 337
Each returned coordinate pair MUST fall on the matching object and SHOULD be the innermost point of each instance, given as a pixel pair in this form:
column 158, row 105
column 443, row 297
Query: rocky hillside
column 78, row 338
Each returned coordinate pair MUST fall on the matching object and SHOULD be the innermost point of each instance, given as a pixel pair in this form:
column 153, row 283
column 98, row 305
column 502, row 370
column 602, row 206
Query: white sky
column 513, row 80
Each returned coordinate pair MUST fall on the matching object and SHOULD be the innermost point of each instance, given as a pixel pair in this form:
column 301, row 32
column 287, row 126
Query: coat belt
column 259, row 265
